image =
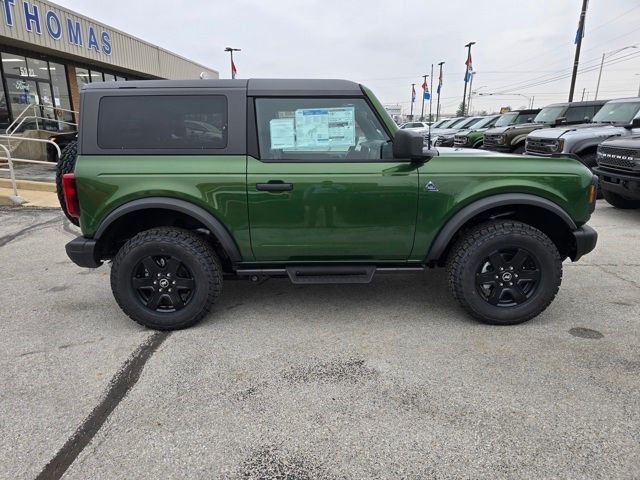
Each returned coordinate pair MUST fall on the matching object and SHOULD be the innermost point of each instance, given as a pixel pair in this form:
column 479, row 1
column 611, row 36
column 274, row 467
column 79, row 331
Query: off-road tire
column 468, row 255
column 175, row 243
column 66, row 164
column 589, row 159
column 619, row 201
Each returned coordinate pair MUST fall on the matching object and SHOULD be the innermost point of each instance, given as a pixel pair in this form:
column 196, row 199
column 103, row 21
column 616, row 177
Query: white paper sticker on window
column 282, row 133
column 324, row 128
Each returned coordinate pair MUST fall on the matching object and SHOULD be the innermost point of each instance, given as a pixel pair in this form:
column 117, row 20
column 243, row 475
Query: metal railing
column 16, row 198
column 20, row 119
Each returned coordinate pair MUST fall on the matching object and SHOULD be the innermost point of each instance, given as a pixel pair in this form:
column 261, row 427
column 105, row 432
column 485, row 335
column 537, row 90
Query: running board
column 323, row 275
column 310, row 274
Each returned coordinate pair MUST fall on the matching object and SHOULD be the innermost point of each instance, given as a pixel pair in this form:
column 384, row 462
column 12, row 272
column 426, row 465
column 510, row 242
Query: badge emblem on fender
column 430, row 187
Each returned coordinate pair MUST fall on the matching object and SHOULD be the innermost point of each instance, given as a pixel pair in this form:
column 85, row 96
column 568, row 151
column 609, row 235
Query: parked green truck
column 181, row 184
column 511, row 139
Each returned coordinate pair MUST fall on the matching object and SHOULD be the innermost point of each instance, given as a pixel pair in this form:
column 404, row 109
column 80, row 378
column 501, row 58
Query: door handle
column 274, row 187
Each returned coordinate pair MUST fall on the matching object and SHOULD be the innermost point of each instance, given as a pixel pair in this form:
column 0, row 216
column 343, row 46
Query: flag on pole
column 234, row 70
column 425, row 89
column 413, row 94
column 440, row 82
column 579, row 34
column 469, row 72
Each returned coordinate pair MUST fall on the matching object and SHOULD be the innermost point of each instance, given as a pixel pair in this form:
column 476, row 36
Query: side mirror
column 635, row 123
column 587, row 119
column 530, row 120
column 408, row 145
column 561, row 120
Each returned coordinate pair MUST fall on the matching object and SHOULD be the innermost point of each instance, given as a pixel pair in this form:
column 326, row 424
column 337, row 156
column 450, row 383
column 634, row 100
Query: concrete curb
column 29, row 185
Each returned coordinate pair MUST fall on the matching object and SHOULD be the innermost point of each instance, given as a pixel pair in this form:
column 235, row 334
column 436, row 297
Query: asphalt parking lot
column 387, row 380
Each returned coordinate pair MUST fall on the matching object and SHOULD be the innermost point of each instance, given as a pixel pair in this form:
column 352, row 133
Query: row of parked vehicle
column 603, row 135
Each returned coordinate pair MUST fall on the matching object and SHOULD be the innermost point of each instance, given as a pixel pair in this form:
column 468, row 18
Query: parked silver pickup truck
column 617, row 118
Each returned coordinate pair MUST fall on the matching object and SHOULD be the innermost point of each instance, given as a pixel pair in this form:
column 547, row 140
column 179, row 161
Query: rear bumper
column 625, row 185
column 83, row 252
column 585, row 239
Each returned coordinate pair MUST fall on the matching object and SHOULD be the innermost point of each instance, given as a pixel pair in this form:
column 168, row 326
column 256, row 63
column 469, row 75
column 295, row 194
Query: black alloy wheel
column 162, row 283
column 508, row 277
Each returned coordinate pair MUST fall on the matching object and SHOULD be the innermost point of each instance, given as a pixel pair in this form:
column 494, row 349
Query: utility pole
column 473, row 74
column 233, row 65
column 439, row 86
column 431, row 95
column 583, row 90
column 579, row 35
column 413, row 98
column 602, row 64
column 464, row 95
column 423, row 92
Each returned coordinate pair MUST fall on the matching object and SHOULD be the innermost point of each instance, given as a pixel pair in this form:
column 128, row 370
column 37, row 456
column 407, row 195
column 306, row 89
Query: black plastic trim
column 441, row 242
column 203, row 216
column 82, row 252
column 586, row 239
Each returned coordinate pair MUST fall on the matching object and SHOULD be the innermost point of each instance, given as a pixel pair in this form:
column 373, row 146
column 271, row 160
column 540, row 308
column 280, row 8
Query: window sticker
column 282, row 133
column 324, row 128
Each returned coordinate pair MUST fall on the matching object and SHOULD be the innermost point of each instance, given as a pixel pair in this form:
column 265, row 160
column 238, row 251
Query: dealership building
column 48, row 52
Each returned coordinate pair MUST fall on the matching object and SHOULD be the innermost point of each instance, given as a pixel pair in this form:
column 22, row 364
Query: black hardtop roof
column 526, row 110
column 574, row 104
column 258, row 86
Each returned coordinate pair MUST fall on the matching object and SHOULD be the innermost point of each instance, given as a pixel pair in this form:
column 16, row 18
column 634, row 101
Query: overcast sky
column 390, row 44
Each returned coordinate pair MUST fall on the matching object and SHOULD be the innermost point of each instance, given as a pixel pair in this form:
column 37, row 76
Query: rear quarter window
column 171, row 122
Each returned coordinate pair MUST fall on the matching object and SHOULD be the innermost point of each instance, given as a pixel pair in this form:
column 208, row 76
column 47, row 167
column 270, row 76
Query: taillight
column 71, row 194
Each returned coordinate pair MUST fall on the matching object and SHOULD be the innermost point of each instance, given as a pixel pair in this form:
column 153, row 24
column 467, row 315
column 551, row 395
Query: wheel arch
column 534, row 210
column 137, row 215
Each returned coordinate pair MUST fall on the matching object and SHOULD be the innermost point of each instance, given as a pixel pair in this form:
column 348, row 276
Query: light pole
column 439, row 87
column 472, row 93
column 602, row 64
column 233, row 65
column 578, row 42
column 464, row 95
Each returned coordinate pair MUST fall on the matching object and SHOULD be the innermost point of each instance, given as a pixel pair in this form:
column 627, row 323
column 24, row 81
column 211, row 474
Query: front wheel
column 166, row 278
column 504, row 272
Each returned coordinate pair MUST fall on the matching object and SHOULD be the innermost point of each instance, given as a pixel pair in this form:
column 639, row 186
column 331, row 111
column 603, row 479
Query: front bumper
column 83, row 252
column 626, row 185
column 585, row 239
column 444, row 142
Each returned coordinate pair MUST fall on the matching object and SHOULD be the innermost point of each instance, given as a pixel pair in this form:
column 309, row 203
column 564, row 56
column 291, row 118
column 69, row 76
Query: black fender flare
column 167, row 203
column 456, row 222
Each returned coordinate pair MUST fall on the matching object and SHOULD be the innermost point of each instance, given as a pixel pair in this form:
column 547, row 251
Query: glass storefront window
column 120, row 79
column 109, row 78
column 14, row 65
column 96, row 76
column 82, row 76
column 61, row 97
column 37, row 68
column 4, row 109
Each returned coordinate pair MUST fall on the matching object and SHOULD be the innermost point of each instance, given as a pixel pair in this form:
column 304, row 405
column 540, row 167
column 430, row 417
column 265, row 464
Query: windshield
column 467, row 123
column 619, row 113
column 507, row 119
column 549, row 114
column 483, row 122
column 451, row 123
column 440, row 123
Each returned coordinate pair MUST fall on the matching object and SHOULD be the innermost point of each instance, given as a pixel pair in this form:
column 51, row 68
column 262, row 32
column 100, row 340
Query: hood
column 629, row 142
column 516, row 128
column 444, row 131
column 581, row 130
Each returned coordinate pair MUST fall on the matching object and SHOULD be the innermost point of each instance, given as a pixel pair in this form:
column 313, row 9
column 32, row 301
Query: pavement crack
column 619, row 277
column 121, row 383
column 9, row 238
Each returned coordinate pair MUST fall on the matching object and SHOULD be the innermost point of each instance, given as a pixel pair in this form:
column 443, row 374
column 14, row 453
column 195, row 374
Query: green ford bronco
column 181, row 184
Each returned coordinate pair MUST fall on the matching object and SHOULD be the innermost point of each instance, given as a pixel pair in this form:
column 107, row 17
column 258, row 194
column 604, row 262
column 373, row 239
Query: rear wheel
column 619, row 201
column 504, row 272
column 166, row 278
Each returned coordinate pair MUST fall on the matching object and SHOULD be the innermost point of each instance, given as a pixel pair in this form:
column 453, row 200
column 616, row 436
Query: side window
column 189, row 122
column 318, row 129
column 577, row 114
